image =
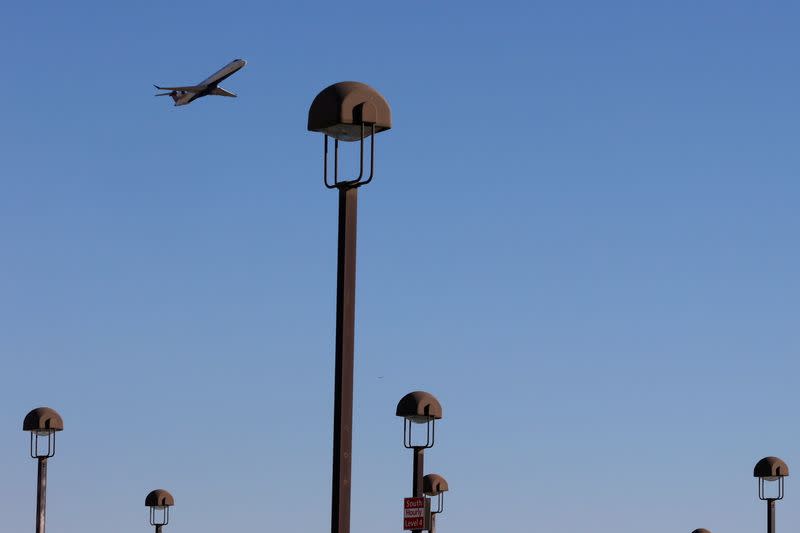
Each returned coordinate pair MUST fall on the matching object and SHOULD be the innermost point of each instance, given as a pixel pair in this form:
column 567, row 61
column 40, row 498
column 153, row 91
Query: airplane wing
column 225, row 72
column 219, row 91
column 189, row 89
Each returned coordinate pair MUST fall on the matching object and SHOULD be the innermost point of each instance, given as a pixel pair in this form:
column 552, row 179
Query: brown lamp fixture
column 159, row 501
column 349, row 111
column 770, row 472
column 419, row 408
column 434, row 485
column 43, row 423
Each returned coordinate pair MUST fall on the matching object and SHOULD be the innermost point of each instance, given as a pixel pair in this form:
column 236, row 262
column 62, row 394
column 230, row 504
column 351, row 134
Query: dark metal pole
column 41, row 491
column 770, row 516
column 158, row 529
column 419, row 468
column 345, row 337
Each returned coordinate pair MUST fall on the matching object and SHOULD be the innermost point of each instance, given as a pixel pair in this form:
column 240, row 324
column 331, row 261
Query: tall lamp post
column 434, row 485
column 346, row 111
column 159, row 501
column 42, row 423
column 418, row 408
column 770, row 472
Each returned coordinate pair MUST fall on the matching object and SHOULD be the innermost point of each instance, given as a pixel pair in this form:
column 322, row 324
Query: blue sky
column 581, row 237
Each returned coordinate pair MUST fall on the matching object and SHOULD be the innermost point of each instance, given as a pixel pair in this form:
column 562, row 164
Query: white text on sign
column 414, row 513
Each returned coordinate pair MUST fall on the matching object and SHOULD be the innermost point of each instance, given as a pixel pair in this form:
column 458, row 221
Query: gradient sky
column 582, row 237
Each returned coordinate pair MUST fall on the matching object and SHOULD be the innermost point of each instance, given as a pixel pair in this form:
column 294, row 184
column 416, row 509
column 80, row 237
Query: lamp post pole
column 419, row 468
column 771, row 516
column 41, row 494
column 345, row 341
column 346, row 111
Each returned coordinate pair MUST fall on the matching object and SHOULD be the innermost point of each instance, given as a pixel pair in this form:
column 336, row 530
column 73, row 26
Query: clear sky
column 582, row 237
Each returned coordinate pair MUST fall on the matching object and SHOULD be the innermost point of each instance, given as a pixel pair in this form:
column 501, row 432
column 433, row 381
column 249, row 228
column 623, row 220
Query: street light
column 159, row 501
column 436, row 485
column 347, row 111
column 770, row 472
column 419, row 408
column 43, row 423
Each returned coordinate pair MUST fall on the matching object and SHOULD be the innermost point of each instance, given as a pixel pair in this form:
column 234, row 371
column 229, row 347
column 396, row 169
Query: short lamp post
column 347, row 111
column 43, row 423
column 419, row 408
column 770, row 472
column 159, row 501
column 434, row 485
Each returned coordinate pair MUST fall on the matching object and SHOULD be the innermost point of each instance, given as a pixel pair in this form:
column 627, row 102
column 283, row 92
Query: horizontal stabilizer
column 219, row 91
column 189, row 89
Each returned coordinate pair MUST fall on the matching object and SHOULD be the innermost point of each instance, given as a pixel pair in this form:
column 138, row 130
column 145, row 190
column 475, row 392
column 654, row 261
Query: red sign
column 414, row 513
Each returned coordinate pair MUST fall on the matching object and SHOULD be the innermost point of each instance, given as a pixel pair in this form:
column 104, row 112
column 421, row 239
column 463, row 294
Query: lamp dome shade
column 159, row 498
column 434, row 484
column 43, row 419
column 419, row 406
column 340, row 110
column 701, row 530
column 770, row 468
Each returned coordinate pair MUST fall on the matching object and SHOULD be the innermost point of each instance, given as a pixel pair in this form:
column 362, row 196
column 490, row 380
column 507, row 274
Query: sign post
column 415, row 513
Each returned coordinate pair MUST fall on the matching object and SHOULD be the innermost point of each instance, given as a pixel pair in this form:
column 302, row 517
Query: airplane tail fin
column 174, row 94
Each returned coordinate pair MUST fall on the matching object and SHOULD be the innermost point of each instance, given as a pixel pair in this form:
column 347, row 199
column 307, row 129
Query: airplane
column 188, row 94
